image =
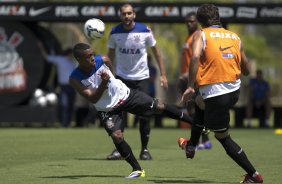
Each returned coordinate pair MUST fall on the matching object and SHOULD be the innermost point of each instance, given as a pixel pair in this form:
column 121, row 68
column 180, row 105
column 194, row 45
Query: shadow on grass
column 82, row 176
column 90, row 159
column 185, row 181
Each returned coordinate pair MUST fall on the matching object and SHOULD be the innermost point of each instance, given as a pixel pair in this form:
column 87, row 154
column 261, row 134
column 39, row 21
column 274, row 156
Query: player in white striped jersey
column 127, row 45
column 94, row 80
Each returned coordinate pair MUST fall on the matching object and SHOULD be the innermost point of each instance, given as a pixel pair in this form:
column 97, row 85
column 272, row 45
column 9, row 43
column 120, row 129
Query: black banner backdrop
column 147, row 12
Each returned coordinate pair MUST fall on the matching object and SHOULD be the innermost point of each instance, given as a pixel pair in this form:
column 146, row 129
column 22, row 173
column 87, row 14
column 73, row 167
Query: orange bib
column 221, row 59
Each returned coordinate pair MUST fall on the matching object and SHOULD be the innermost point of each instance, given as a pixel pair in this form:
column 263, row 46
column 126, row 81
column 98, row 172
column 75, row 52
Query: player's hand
column 164, row 82
column 104, row 76
column 187, row 95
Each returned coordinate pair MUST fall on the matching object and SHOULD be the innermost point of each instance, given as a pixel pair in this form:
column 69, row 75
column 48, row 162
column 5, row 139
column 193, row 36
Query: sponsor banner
column 146, row 12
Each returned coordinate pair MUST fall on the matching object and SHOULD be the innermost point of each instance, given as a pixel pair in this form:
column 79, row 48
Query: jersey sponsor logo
column 224, row 35
column 35, row 12
column 227, row 55
column 224, row 48
column 129, row 51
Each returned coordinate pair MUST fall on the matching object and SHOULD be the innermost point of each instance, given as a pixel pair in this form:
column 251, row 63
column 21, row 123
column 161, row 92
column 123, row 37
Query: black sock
column 237, row 154
column 174, row 113
column 144, row 129
column 126, row 152
column 196, row 132
column 197, row 127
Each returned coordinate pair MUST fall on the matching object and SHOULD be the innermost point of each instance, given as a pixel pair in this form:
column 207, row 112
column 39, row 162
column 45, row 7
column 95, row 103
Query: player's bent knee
column 117, row 137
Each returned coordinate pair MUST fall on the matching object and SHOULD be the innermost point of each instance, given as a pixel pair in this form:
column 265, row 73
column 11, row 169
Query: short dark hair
column 208, row 15
column 190, row 14
column 78, row 48
column 126, row 5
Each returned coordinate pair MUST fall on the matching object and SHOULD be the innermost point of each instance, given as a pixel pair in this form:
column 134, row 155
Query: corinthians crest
column 109, row 123
column 12, row 73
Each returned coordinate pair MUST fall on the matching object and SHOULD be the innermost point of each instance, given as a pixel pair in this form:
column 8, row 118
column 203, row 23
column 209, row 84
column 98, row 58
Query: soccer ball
column 94, row 28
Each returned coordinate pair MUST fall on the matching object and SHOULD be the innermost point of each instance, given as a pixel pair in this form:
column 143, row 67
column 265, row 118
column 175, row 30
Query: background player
column 197, row 102
column 128, row 44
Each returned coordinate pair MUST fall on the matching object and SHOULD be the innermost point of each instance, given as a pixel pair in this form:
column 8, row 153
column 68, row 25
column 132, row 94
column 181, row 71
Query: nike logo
column 33, row 12
column 225, row 48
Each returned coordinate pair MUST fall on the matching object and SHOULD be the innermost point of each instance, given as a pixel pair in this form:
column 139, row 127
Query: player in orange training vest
column 217, row 61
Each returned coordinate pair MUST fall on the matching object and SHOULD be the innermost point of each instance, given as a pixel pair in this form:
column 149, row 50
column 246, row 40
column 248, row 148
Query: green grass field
column 59, row 156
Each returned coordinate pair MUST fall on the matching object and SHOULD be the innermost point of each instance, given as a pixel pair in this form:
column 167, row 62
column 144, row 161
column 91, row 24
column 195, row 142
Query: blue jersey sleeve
column 99, row 61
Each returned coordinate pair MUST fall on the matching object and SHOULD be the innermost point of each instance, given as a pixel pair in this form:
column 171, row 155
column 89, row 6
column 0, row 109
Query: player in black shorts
column 217, row 62
column 141, row 104
column 94, row 81
column 132, row 67
column 144, row 127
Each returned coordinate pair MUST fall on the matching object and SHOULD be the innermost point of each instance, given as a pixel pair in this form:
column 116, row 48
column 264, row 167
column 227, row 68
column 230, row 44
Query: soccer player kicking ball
column 94, row 80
